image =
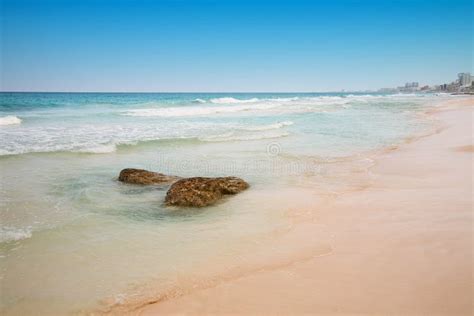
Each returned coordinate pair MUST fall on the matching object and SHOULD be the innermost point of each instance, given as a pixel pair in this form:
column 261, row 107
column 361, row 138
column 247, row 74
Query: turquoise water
column 99, row 123
column 71, row 235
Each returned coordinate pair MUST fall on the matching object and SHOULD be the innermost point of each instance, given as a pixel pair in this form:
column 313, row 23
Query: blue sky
column 106, row 45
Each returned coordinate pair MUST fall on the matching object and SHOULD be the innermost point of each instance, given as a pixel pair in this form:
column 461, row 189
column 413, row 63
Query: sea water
column 73, row 238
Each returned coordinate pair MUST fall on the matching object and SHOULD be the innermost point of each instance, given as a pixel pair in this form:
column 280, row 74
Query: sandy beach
column 200, row 157
column 348, row 197
column 404, row 245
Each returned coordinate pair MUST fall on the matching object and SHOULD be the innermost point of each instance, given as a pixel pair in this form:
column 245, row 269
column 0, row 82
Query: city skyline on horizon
column 223, row 92
column 236, row 46
column 381, row 89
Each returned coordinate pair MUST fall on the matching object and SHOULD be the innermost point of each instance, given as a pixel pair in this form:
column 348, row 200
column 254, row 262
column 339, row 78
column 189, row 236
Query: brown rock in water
column 199, row 191
column 141, row 176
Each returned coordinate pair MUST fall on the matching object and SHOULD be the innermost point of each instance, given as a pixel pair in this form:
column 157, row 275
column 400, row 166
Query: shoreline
column 230, row 295
column 292, row 217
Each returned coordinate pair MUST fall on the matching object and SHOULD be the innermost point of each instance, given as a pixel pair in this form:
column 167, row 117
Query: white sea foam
column 238, row 136
column 241, row 119
column 199, row 101
column 229, row 100
column 103, row 139
column 227, row 106
column 14, row 234
column 10, row 120
column 268, row 127
column 197, row 110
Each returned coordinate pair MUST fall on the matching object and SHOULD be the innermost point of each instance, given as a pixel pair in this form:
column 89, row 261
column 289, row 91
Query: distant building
column 464, row 84
column 465, row 79
column 411, row 85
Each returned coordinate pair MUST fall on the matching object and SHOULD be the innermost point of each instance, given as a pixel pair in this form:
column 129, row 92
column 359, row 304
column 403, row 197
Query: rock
column 141, row 176
column 199, row 191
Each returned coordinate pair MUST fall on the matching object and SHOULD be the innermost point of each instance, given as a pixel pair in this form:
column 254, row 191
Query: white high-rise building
column 465, row 79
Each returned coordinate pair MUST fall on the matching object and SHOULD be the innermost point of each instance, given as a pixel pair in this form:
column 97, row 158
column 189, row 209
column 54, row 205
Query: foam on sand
column 8, row 234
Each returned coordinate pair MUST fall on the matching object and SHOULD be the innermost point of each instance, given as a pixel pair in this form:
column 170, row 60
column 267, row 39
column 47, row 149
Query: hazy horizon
column 206, row 92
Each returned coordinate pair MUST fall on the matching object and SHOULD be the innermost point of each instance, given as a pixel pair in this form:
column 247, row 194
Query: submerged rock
column 141, row 176
column 199, row 191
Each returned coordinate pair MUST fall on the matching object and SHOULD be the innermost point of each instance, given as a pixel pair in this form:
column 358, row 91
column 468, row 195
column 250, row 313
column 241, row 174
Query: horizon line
column 190, row 92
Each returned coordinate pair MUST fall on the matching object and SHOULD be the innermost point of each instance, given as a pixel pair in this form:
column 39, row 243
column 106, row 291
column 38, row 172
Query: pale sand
column 402, row 246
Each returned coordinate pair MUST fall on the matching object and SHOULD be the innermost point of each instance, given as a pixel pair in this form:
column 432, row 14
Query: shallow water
column 72, row 236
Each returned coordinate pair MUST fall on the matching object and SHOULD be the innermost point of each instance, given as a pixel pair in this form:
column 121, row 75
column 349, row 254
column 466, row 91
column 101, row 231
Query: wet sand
column 403, row 245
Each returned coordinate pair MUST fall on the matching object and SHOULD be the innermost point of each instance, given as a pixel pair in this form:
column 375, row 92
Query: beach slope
column 402, row 246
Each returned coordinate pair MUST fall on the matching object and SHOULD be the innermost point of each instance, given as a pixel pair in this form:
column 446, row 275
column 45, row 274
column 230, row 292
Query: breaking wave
column 108, row 138
column 10, row 120
column 196, row 111
column 229, row 100
column 201, row 119
column 229, row 106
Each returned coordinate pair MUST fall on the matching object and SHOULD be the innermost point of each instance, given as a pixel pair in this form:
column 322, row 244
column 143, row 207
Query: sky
column 232, row 46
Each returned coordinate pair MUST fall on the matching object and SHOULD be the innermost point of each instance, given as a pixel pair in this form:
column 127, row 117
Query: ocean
column 72, row 238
